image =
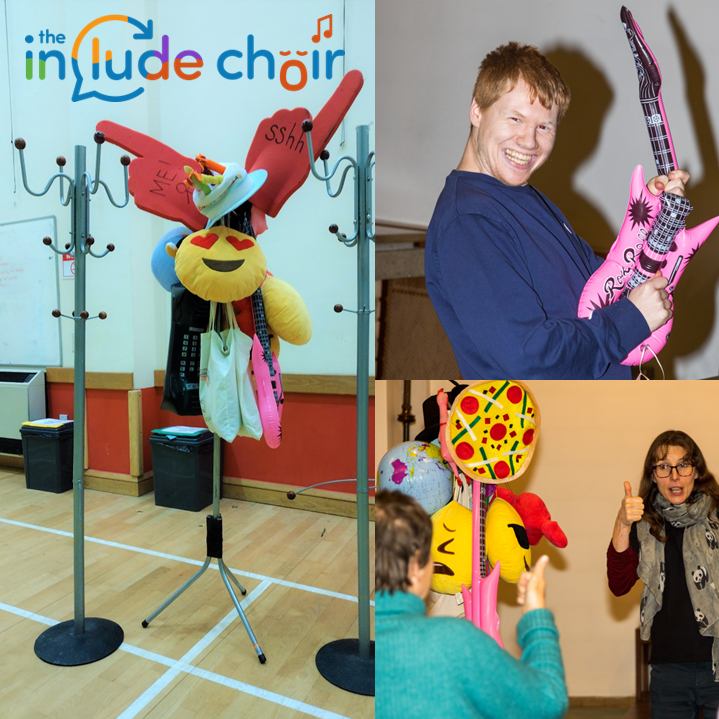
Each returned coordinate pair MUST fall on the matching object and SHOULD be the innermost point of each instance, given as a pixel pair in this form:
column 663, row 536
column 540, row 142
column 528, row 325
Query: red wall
column 108, row 424
column 318, row 436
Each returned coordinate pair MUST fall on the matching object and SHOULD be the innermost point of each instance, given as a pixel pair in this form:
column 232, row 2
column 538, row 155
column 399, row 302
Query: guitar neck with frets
column 240, row 219
column 650, row 85
column 675, row 209
column 482, row 498
column 263, row 335
column 659, row 137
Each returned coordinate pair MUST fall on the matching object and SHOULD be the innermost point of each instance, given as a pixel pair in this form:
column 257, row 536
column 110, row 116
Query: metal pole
column 80, row 225
column 216, row 475
column 214, row 550
column 349, row 663
column 80, row 640
column 363, row 318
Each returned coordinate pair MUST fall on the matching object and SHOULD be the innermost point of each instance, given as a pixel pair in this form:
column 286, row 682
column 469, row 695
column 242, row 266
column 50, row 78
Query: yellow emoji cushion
column 507, row 541
column 452, row 548
column 220, row 264
column 286, row 311
column 492, row 430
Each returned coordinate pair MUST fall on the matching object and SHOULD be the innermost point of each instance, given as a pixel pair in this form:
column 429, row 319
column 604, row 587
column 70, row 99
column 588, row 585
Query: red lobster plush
column 535, row 515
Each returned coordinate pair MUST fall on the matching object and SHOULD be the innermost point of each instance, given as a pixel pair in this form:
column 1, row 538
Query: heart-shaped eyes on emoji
column 207, row 240
column 204, row 240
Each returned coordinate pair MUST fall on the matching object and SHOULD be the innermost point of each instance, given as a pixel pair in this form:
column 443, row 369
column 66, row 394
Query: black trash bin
column 182, row 467
column 47, row 453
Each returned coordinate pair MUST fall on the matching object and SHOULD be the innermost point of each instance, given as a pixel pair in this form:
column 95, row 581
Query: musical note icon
column 328, row 33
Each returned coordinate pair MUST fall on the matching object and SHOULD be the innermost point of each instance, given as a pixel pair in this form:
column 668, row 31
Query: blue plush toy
column 162, row 265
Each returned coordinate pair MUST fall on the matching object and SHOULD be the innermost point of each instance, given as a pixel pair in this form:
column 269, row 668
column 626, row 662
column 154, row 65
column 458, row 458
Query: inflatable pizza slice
column 491, row 433
column 492, row 430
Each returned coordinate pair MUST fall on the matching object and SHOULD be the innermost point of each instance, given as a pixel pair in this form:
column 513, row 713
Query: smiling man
column 504, row 269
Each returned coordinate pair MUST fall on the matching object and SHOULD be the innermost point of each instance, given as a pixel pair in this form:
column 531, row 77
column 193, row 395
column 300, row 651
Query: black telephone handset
column 190, row 315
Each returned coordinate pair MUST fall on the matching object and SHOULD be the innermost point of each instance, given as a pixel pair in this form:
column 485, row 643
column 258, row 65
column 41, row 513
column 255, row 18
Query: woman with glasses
column 669, row 537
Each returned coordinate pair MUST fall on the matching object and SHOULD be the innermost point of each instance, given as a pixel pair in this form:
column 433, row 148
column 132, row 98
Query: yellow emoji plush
column 452, row 548
column 221, row 264
column 507, row 541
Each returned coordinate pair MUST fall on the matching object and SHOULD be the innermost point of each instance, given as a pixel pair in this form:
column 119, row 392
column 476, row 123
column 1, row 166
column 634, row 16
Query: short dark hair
column 402, row 528
column 705, row 483
column 504, row 67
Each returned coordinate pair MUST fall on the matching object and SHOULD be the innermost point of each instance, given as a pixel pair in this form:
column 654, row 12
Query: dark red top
column 621, row 569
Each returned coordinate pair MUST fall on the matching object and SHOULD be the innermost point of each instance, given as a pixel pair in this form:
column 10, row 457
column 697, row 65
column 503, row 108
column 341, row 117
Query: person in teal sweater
column 446, row 667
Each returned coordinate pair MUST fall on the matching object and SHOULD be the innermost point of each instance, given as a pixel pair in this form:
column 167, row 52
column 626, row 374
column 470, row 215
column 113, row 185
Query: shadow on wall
column 694, row 311
column 577, row 140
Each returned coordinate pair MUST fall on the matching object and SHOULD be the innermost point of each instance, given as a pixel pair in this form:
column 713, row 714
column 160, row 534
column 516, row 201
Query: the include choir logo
column 232, row 64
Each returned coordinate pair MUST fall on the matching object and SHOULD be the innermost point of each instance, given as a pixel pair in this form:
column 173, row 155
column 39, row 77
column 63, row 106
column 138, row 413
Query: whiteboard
column 29, row 292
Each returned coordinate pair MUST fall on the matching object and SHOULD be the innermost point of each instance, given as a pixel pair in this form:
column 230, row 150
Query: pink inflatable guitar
column 480, row 603
column 652, row 236
column 268, row 379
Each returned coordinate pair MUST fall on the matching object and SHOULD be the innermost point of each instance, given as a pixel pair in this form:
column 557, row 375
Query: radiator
column 22, row 398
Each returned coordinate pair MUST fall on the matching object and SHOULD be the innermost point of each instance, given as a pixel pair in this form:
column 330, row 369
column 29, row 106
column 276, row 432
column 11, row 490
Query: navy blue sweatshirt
column 505, row 272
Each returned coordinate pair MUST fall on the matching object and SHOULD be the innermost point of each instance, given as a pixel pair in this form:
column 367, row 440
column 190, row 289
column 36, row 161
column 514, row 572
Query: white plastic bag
column 219, row 399
column 250, row 423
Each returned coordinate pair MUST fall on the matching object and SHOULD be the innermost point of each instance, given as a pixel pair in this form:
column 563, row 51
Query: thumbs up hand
column 531, row 586
column 632, row 508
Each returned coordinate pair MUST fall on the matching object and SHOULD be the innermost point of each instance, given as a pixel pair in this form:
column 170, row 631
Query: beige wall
column 594, row 436
column 388, row 431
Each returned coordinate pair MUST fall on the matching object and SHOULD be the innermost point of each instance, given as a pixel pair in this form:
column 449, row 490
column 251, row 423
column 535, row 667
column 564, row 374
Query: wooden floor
column 639, row 710
column 595, row 713
column 642, row 710
column 195, row 659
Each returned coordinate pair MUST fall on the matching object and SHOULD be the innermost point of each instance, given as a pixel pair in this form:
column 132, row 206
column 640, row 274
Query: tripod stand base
column 339, row 662
column 60, row 645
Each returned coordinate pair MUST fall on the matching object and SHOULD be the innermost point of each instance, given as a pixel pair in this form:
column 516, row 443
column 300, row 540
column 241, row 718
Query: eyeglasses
column 662, row 471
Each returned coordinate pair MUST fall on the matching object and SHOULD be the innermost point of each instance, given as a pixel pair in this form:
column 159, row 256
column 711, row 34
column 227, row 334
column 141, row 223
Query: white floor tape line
column 175, row 558
column 178, row 667
column 27, row 615
column 267, row 695
column 182, row 665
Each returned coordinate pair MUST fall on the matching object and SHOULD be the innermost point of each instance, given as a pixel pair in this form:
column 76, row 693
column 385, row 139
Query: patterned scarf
column 700, row 550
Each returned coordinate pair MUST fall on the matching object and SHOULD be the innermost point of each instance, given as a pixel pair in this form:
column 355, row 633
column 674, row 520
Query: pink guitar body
column 480, row 603
column 653, row 236
column 607, row 284
column 267, row 388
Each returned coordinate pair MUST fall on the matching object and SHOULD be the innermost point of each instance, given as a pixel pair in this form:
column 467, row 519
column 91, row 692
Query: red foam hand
column 279, row 147
column 279, row 144
column 331, row 115
column 156, row 176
